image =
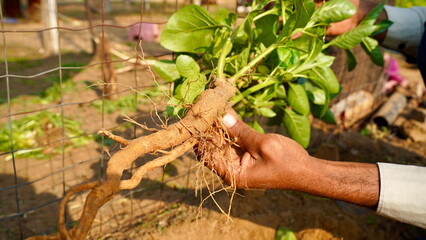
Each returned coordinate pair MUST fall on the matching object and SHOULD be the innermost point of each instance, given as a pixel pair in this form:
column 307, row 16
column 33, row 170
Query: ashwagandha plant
column 276, row 74
column 259, row 64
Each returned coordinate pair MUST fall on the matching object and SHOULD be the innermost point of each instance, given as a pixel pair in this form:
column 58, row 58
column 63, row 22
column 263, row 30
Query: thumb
column 242, row 133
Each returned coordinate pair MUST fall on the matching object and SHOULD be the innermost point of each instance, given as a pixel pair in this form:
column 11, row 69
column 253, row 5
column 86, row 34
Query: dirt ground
column 171, row 203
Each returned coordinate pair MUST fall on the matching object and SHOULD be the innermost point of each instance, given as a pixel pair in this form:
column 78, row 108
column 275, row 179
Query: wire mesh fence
column 54, row 100
column 55, row 105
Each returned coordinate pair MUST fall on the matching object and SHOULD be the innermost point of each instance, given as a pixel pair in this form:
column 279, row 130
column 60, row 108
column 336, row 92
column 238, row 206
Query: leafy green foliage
column 350, row 60
column 53, row 93
column 298, row 126
column 278, row 76
column 334, row 11
column 352, row 38
column 167, row 70
column 297, row 99
column 32, row 132
column 371, row 47
column 190, row 29
column 409, row 3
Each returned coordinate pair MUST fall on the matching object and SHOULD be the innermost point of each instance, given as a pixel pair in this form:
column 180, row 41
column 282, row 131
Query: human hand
column 272, row 161
column 258, row 160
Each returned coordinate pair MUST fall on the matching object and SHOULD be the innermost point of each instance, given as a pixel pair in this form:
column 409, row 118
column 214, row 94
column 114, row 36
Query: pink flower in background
column 145, row 31
column 394, row 76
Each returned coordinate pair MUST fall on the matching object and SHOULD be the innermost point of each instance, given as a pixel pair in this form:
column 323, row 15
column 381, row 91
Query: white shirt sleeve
column 405, row 34
column 403, row 193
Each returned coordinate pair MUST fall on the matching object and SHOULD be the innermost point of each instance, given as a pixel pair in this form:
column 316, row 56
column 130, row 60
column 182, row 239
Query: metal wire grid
column 19, row 214
column 59, row 175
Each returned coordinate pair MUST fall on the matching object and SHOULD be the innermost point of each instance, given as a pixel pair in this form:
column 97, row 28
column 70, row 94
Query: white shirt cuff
column 403, row 193
column 405, row 34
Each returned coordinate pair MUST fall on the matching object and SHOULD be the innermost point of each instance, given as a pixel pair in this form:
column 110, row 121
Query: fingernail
column 229, row 120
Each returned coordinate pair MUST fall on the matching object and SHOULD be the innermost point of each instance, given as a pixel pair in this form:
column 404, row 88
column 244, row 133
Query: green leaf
column 315, row 48
column 241, row 59
column 382, row 26
column 324, row 76
column 177, row 88
column 334, row 11
column 263, row 69
column 187, row 66
column 298, row 127
column 288, row 27
column 323, row 60
column 267, row 112
column 371, row 17
column 167, row 70
column 266, row 29
column 287, row 56
column 350, row 60
column 225, row 17
column 284, row 233
column 256, row 126
column 268, row 93
column 261, row 4
column 327, row 117
column 317, row 95
column 190, row 29
column 192, row 87
column 221, row 36
column 279, row 91
column 352, row 38
column 372, row 48
column 298, row 99
column 175, row 107
column 304, row 11
column 298, row 19
column 243, row 34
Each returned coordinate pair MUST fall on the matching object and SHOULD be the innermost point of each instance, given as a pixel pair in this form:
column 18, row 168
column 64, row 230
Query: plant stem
column 253, row 89
column 253, row 62
column 227, row 47
column 271, row 11
column 283, row 9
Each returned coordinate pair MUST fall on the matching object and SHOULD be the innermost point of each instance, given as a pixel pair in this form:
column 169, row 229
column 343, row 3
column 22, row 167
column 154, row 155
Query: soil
column 167, row 204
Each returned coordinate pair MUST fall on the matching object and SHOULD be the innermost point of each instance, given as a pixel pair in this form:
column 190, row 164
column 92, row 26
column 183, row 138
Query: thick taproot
column 200, row 117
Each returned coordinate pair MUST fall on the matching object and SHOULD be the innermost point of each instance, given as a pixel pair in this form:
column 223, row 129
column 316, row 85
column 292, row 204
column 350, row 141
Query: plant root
column 210, row 105
column 158, row 162
column 216, row 144
column 128, row 119
column 116, row 138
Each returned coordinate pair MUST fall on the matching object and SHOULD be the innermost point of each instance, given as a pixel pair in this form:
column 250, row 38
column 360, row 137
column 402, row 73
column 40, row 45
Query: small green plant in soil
column 53, row 93
column 128, row 103
column 19, row 63
column 38, row 135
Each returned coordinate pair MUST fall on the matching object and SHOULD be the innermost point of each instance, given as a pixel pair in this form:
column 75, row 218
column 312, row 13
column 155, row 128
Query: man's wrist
column 356, row 183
